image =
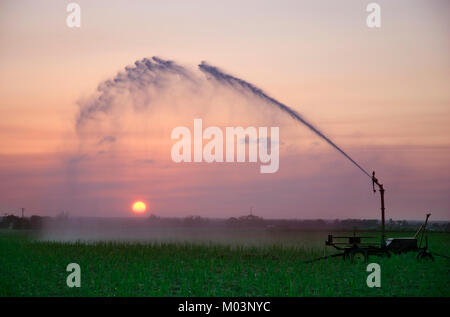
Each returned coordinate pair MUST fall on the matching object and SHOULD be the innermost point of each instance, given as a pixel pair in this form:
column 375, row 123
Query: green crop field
column 29, row 267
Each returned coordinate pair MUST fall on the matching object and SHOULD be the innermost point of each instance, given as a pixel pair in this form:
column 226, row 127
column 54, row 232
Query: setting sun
column 139, row 207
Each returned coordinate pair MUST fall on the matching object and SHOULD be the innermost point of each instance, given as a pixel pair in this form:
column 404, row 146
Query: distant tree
column 447, row 227
column 9, row 221
column 36, row 222
column 232, row 221
column 14, row 222
column 194, row 221
column 154, row 219
column 250, row 220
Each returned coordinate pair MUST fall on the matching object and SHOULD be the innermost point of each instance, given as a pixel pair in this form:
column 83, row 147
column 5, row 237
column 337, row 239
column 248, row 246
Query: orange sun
column 139, row 207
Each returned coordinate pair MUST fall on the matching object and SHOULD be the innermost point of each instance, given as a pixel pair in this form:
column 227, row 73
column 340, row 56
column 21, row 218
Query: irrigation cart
column 356, row 249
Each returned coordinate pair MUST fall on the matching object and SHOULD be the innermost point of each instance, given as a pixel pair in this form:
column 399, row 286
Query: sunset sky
column 381, row 94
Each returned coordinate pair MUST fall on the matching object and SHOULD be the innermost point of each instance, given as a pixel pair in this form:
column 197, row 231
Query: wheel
column 358, row 255
column 424, row 256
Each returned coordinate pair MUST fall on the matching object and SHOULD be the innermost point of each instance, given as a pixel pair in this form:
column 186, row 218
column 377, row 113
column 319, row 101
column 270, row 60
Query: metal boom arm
column 381, row 189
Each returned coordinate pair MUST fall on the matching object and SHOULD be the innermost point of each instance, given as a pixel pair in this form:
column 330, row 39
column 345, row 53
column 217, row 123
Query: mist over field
column 249, row 230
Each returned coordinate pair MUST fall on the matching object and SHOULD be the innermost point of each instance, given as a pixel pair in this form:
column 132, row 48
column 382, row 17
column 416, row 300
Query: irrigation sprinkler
column 355, row 249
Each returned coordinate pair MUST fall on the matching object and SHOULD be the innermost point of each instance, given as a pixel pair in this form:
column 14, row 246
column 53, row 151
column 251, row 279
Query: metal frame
column 354, row 245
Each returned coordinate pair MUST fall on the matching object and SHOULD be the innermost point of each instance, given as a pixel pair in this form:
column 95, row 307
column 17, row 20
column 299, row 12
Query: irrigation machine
column 356, row 249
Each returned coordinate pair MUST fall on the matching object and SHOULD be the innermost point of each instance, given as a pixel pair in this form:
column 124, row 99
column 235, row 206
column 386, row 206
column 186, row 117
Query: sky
column 381, row 94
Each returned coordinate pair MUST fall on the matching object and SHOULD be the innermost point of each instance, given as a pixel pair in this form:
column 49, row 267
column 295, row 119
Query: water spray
column 232, row 81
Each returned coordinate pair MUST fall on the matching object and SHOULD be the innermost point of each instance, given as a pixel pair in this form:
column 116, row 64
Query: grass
column 35, row 268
